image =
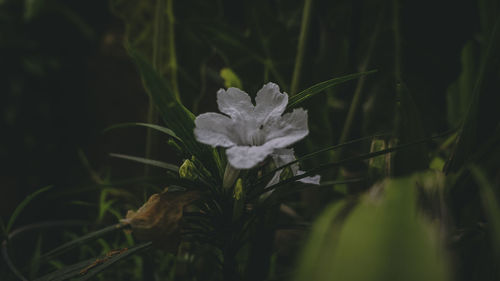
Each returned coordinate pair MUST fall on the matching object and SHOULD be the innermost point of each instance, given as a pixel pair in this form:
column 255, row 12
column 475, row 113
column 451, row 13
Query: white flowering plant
column 241, row 164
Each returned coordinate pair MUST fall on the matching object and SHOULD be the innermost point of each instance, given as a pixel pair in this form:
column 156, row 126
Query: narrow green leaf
column 151, row 162
column 66, row 272
column 313, row 90
column 152, row 126
column 296, row 187
column 318, row 152
column 322, row 167
column 23, row 204
column 459, row 94
column 112, row 260
column 490, row 205
column 80, row 240
column 178, row 118
column 35, row 259
column 482, row 114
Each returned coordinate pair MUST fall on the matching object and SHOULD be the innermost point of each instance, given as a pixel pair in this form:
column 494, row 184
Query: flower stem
column 230, row 176
column 306, row 15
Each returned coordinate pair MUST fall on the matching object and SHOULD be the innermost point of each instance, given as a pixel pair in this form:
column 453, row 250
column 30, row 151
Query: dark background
column 65, row 76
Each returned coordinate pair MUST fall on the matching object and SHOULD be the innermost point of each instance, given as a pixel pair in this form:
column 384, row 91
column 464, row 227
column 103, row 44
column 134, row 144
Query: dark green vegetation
column 404, row 129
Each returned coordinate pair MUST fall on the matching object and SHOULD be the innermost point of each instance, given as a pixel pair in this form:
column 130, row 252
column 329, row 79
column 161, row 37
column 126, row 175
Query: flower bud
column 238, row 189
column 187, row 170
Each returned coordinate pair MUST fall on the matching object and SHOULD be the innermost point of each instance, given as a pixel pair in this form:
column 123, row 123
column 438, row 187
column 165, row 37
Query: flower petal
column 310, row 180
column 235, row 103
column 214, row 129
column 246, row 157
column 284, row 156
column 270, row 102
column 287, row 130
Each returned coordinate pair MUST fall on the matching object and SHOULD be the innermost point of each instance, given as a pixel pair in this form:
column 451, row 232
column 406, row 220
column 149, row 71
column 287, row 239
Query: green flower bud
column 238, row 189
column 188, row 170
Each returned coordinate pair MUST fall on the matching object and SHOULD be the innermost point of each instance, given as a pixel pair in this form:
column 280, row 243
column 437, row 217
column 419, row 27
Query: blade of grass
column 320, row 168
column 304, row 28
column 10, row 264
column 151, row 162
column 22, row 205
column 313, row 154
column 356, row 100
column 301, row 186
column 152, row 126
column 23, row 229
column 482, row 115
column 115, row 258
column 66, row 272
column 73, row 243
column 178, row 118
column 315, row 89
column 490, row 205
column 34, row 266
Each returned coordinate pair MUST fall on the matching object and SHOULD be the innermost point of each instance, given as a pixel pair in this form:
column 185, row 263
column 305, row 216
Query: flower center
column 258, row 137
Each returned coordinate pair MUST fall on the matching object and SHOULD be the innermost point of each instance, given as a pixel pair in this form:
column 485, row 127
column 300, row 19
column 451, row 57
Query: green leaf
column 115, row 258
column 319, row 152
column 178, row 118
column 35, row 260
column 152, row 126
column 322, row 167
column 151, row 162
column 298, row 186
column 383, row 238
column 22, row 205
column 459, row 94
column 321, row 236
column 66, row 272
column 80, row 240
column 87, row 269
column 306, row 94
column 483, row 114
column 490, row 206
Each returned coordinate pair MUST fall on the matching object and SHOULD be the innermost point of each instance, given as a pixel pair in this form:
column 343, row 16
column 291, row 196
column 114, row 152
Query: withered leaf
column 158, row 219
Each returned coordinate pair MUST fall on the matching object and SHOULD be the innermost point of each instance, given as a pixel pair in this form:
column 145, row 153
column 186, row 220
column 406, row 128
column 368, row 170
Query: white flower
column 284, row 156
column 251, row 133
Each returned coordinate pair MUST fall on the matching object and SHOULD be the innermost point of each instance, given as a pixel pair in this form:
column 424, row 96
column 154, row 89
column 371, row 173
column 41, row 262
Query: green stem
column 152, row 117
column 356, row 100
column 306, row 15
column 172, row 58
column 397, row 41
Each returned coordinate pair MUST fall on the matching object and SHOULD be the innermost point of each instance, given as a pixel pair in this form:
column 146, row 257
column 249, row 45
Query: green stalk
column 397, row 41
column 356, row 100
column 172, row 57
column 163, row 8
column 152, row 117
column 306, row 15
